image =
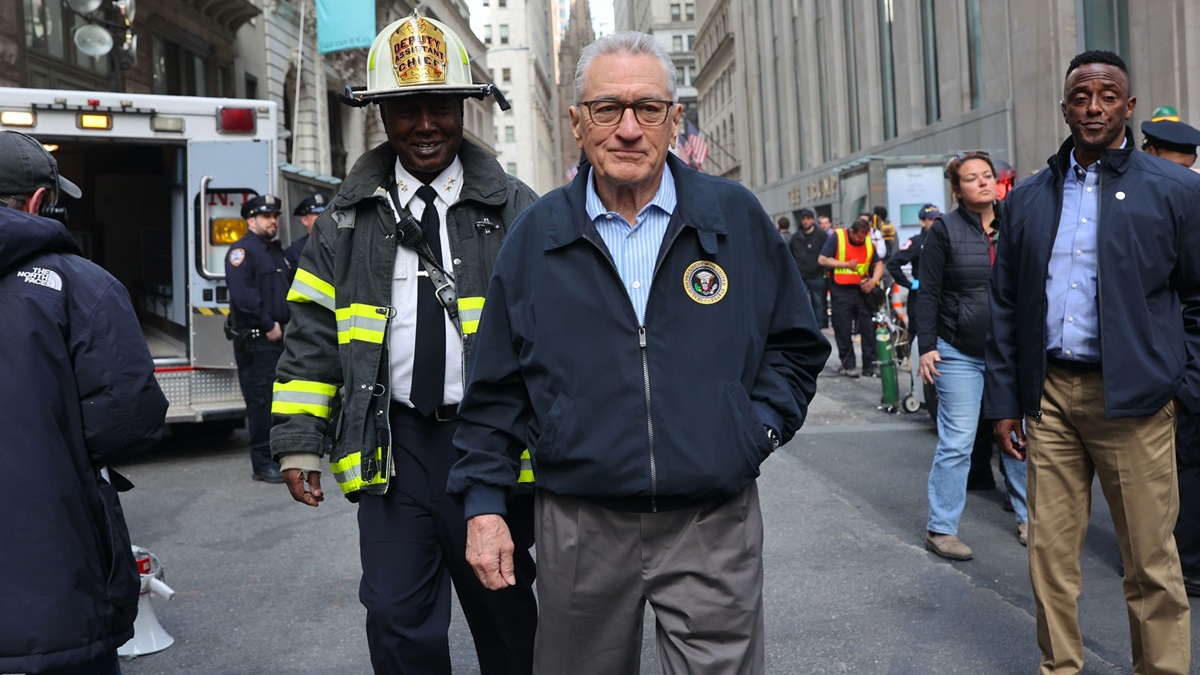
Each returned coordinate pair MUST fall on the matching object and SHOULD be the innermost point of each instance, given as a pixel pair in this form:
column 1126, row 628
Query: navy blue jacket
column 77, row 391
column 1149, row 286
column 294, row 250
column 637, row 416
column 259, row 275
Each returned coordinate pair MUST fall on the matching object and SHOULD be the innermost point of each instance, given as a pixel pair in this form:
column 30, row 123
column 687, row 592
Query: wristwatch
column 773, row 436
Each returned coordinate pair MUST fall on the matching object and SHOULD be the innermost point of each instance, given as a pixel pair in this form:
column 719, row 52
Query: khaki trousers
column 700, row 568
column 1135, row 460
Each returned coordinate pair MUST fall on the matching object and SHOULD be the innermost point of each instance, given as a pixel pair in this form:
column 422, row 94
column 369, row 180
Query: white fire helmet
column 418, row 55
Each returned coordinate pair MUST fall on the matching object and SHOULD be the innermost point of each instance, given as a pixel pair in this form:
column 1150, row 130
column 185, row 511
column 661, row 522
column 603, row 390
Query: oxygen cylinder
column 887, row 365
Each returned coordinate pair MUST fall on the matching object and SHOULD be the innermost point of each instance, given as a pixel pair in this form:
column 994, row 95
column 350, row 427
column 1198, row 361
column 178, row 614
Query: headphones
column 52, row 209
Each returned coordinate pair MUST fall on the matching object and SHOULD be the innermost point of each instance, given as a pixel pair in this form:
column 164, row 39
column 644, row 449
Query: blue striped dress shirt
column 634, row 248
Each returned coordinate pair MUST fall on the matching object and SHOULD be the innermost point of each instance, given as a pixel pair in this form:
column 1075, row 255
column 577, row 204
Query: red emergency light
column 236, row 120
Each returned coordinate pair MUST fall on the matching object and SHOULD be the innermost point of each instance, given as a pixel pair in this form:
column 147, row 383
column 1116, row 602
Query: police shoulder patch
column 905, row 246
column 705, row 282
column 237, row 256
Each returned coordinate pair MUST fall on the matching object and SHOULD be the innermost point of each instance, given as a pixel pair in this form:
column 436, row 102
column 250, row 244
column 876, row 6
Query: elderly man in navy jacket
column 647, row 336
column 1095, row 341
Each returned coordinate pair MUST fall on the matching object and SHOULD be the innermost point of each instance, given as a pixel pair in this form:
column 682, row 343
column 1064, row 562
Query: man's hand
column 275, row 334
column 927, row 366
column 1005, row 430
column 294, row 479
column 490, row 551
column 867, row 285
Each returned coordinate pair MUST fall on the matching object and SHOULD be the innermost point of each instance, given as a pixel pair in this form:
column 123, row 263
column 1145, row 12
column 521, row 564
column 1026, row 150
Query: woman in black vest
column 952, row 315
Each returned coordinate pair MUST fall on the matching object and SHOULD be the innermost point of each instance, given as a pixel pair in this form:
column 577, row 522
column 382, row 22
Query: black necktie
column 429, row 365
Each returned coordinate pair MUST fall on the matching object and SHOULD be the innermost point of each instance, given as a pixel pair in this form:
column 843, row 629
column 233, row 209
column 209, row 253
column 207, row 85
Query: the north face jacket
column 77, row 391
column 336, row 344
column 648, row 416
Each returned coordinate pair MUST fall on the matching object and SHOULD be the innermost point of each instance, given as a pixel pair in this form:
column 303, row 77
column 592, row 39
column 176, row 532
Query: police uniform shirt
column 402, row 328
column 258, row 275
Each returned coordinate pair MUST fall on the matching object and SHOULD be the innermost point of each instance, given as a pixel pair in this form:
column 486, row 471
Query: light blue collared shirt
column 1072, row 289
column 635, row 249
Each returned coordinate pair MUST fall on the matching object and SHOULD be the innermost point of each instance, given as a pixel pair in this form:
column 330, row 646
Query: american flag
column 694, row 149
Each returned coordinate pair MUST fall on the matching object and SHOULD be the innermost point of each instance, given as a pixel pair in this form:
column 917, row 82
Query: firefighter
column 384, row 305
column 258, row 274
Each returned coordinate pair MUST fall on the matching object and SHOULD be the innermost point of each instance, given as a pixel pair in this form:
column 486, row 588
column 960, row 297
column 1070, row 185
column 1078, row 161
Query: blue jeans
column 960, row 392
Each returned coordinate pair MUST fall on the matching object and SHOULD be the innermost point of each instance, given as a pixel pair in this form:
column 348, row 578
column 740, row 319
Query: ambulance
column 163, row 180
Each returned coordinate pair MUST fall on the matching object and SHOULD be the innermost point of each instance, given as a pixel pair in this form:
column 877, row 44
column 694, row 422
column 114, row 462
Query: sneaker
column 848, row 372
column 1023, row 533
column 948, row 546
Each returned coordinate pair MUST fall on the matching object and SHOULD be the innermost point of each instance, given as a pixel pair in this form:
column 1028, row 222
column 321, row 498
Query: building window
column 510, row 134
column 676, row 11
column 975, row 52
column 503, row 33
column 502, row 3
column 681, row 76
column 691, row 40
column 177, row 70
column 933, row 99
column 487, row 34
column 677, row 43
column 49, row 30
column 690, row 11
column 887, row 68
column 507, row 73
column 511, row 168
column 1105, row 25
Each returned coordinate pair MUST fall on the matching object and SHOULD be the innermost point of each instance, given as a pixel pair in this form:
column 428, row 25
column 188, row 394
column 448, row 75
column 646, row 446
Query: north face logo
column 42, row 277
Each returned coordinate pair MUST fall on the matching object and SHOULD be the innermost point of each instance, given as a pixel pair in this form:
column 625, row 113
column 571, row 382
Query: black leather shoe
column 1192, row 586
column 269, row 475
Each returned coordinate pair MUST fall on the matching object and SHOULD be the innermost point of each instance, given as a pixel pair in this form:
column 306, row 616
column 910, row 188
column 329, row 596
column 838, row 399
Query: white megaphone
column 148, row 634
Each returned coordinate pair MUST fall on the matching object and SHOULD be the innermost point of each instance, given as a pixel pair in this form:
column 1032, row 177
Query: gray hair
column 624, row 42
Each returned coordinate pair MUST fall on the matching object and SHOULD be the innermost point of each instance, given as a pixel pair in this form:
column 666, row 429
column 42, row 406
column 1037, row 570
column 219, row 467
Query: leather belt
column 443, row 413
column 1076, row 366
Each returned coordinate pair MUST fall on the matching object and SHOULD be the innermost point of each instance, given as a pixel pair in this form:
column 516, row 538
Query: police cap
column 928, row 212
column 260, row 205
column 1165, row 132
column 311, row 205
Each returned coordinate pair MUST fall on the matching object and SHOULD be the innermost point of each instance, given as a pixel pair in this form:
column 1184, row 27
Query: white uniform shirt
column 402, row 328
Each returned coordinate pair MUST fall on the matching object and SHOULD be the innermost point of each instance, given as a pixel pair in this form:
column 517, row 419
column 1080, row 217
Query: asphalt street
column 265, row 585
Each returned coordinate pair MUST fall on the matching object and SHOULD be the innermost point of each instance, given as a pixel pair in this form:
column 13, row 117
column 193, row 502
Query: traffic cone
column 148, row 635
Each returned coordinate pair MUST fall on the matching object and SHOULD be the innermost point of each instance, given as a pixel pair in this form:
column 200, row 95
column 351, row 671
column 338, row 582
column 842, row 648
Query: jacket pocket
column 754, row 443
column 546, row 445
column 124, row 582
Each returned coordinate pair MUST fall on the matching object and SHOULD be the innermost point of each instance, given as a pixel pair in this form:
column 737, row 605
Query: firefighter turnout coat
column 336, row 345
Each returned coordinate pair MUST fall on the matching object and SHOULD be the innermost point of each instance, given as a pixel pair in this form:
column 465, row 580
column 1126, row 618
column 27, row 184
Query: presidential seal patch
column 237, row 256
column 705, row 282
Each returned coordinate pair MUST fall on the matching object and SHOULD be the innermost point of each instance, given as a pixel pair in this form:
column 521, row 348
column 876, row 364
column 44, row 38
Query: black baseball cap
column 928, row 212
column 26, row 166
column 256, row 206
column 313, row 204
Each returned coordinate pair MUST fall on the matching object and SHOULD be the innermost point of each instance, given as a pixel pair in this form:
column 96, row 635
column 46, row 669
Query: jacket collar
column 696, row 207
column 1115, row 160
column 483, row 181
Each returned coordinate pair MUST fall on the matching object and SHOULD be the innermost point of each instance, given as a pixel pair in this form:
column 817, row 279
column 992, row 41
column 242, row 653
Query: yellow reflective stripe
column 302, row 397
column 308, row 287
column 469, row 310
column 349, row 473
column 526, row 474
column 361, row 322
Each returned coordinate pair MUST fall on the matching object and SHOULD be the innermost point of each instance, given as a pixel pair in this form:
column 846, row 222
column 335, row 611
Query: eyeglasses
column 609, row 113
column 972, row 154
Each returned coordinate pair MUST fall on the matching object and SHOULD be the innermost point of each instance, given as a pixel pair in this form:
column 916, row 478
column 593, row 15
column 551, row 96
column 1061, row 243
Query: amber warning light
column 236, row 120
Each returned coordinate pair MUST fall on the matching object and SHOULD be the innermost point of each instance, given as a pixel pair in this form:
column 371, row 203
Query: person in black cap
column 308, row 210
column 258, row 274
column 77, row 387
column 805, row 246
column 1167, row 137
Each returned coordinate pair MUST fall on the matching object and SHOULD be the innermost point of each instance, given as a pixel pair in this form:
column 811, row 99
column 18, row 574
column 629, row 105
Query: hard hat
column 418, row 55
column 1164, row 112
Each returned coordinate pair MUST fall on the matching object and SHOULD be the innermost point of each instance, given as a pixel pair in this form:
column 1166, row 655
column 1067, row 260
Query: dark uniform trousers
column 1187, row 527
column 413, row 542
column 849, row 306
column 256, row 375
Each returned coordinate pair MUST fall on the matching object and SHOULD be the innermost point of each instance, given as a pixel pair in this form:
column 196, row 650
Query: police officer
column 307, row 211
column 1168, row 137
column 258, row 274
